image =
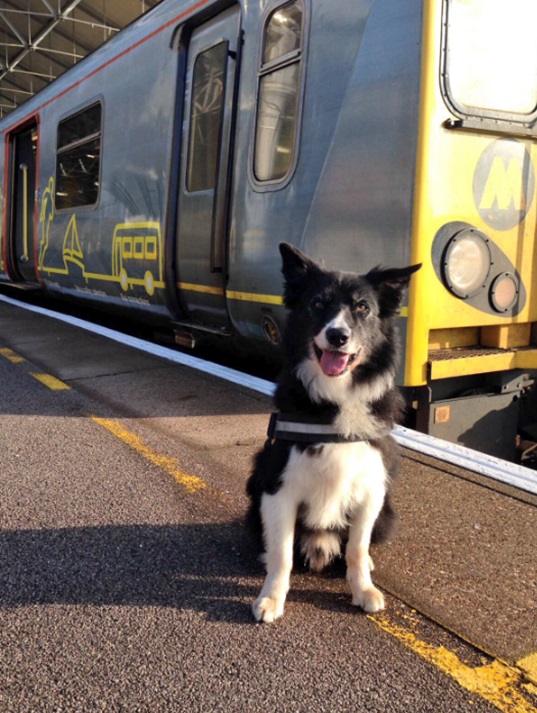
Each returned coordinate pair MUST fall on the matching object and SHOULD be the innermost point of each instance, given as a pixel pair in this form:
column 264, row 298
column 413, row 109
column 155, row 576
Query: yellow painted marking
column 206, row 289
column 496, row 682
column 529, row 666
column 51, row 382
column 531, row 689
column 9, row 354
column 246, row 296
column 254, row 297
column 190, row 482
column 505, row 184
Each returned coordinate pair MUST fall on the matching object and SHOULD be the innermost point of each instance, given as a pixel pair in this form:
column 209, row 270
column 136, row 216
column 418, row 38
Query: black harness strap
column 294, row 427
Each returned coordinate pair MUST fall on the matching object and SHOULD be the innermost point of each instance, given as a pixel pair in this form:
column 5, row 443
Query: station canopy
column 41, row 39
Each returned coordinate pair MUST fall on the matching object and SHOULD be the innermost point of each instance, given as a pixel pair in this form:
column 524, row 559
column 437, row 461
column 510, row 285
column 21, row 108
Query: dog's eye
column 317, row 303
column 360, row 307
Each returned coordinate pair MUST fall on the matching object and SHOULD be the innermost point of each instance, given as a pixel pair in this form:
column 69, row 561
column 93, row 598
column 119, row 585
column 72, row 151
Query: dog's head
column 341, row 321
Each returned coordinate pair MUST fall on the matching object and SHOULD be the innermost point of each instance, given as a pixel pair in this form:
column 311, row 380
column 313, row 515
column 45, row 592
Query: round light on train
column 467, row 263
column 504, row 292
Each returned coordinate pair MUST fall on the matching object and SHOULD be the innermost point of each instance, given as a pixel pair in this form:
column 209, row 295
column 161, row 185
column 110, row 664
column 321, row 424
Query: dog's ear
column 297, row 268
column 391, row 284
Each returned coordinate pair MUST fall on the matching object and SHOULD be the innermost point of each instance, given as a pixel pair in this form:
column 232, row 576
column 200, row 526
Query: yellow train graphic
column 137, row 254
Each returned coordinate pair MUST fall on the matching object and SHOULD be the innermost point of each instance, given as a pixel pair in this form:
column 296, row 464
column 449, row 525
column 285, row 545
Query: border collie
column 322, row 479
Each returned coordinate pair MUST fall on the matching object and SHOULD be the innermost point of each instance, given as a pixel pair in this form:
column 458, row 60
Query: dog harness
column 297, row 427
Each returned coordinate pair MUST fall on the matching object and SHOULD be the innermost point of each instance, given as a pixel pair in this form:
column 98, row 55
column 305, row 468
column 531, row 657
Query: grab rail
column 24, row 168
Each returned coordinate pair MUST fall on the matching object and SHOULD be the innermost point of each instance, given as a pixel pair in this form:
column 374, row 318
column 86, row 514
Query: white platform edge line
column 489, row 466
column 509, row 473
column 252, row 382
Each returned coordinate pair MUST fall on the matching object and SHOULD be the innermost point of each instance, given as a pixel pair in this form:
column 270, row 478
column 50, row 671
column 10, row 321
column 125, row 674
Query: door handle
column 24, row 168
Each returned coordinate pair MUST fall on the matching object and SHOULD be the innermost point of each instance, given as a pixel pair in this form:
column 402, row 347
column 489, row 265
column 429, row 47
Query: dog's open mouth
column 335, row 363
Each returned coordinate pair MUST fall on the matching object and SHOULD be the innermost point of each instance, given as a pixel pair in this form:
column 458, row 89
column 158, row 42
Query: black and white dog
column 323, row 476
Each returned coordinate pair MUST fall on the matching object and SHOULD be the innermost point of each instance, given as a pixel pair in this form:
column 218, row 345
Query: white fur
column 341, row 486
column 339, row 322
column 320, row 548
column 354, row 400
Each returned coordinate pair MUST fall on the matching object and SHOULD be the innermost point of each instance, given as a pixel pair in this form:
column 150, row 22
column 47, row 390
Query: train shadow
column 211, row 568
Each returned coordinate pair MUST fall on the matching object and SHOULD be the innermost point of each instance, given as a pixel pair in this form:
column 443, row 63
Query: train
column 156, row 178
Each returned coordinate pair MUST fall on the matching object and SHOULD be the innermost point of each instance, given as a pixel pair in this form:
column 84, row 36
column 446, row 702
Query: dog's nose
column 337, row 337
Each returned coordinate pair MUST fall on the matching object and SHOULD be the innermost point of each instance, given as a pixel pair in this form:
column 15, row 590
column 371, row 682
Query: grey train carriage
column 157, row 177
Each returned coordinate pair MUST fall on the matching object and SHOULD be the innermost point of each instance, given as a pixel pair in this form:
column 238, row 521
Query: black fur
column 314, row 297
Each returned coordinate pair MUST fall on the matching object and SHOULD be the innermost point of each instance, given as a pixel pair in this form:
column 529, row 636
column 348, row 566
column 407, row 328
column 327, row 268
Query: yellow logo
column 504, row 183
column 504, row 186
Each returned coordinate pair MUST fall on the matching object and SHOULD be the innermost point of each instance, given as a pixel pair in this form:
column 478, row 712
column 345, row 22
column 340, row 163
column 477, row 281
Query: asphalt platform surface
column 126, row 584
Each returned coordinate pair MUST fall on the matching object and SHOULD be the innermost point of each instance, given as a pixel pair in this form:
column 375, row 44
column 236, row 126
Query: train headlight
column 467, row 263
column 504, row 292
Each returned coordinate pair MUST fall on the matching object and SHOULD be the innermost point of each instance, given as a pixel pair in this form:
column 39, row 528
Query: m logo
column 504, row 183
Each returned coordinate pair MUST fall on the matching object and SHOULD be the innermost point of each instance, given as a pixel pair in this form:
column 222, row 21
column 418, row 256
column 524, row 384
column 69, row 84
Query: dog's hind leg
column 359, row 563
column 278, row 514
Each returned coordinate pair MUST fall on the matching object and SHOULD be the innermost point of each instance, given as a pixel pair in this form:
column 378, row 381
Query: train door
column 206, row 144
column 24, row 145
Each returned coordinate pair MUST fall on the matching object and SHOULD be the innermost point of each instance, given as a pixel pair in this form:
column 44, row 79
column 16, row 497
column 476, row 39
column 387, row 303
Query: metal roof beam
column 29, row 47
column 49, row 8
column 13, row 29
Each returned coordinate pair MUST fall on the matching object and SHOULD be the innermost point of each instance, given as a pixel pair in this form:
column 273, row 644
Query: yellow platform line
column 495, row 682
column 191, row 483
column 51, row 382
column 529, row 666
column 10, row 354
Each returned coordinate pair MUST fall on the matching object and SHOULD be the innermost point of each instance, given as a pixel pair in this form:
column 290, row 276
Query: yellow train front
column 472, row 332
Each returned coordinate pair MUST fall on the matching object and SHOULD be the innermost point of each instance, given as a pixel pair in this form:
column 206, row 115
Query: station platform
column 464, row 555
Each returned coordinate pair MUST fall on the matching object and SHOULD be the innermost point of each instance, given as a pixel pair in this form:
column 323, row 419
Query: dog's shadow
column 213, row 568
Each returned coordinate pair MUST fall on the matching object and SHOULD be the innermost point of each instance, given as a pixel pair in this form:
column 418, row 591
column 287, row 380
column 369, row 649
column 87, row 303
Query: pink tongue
column 334, row 363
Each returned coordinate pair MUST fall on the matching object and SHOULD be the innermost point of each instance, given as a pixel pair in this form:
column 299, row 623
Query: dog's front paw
column 370, row 599
column 267, row 609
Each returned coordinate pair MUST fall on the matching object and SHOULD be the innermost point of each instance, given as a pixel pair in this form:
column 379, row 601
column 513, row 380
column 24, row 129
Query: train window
column 279, row 93
column 138, row 247
column 491, row 57
column 78, row 158
column 127, row 247
column 206, row 117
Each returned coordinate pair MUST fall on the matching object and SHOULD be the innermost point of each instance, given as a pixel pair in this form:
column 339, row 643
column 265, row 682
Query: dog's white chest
column 333, row 483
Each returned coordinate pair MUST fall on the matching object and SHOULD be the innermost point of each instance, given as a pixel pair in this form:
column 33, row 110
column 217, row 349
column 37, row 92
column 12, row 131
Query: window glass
column 78, row 159
column 276, row 123
column 491, row 59
column 279, row 93
column 81, row 125
column 207, row 104
column 283, row 33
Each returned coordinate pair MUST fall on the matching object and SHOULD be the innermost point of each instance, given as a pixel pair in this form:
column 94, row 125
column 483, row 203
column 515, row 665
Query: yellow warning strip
column 51, row 382
column 245, row 296
column 190, row 482
column 206, row 289
column 10, row 354
column 495, row 682
column 529, row 666
column 254, row 297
